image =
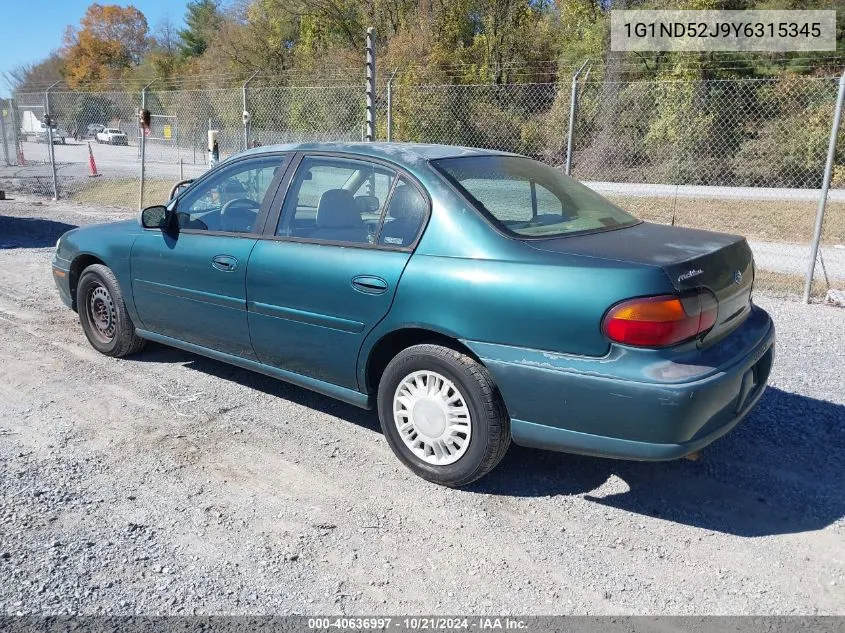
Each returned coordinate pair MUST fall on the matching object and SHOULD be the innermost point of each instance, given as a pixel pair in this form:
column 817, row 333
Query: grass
column 764, row 220
column 122, row 192
column 786, row 285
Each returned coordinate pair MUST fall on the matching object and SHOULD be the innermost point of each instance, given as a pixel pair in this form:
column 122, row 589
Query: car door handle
column 226, row 263
column 369, row 284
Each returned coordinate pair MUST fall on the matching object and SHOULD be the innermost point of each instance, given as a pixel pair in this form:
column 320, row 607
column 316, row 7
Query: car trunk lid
column 691, row 259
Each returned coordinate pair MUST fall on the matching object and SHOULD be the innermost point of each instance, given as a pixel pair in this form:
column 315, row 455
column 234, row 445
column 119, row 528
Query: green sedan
column 472, row 297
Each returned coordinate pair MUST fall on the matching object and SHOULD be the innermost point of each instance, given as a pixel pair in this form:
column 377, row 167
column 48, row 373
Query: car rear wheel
column 442, row 415
column 103, row 314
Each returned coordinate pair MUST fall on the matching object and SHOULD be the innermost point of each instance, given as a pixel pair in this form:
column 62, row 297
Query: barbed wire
column 640, row 64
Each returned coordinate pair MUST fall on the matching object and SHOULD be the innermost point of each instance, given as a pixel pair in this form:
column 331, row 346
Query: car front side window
column 230, row 200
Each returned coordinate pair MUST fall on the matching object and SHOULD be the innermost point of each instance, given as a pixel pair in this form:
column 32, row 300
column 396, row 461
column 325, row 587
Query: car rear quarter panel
column 467, row 281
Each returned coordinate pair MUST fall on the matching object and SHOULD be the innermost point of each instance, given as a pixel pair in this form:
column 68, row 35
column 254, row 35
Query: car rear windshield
column 529, row 199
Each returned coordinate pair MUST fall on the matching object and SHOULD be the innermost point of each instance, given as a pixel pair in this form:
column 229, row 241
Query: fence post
column 390, row 106
column 828, row 170
column 371, row 85
column 3, row 132
column 142, row 145
column 573, row 101
column 13, row 110
column 246, row 114
column 50, row 149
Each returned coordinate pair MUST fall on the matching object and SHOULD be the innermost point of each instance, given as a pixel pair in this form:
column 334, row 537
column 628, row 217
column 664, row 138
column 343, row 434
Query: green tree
column 203, row 19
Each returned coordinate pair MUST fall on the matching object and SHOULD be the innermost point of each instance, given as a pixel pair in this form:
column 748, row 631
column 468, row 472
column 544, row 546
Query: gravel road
column 792, row 259
column 169, row 484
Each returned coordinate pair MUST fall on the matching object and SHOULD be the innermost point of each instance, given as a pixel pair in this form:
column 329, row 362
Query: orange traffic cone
column 91, row 164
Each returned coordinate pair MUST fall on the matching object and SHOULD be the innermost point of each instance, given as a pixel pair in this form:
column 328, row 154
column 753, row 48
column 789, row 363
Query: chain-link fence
column 740, row 155
column 97, row 135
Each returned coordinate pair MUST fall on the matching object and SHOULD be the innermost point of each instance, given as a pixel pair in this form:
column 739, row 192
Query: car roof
column 402, row 153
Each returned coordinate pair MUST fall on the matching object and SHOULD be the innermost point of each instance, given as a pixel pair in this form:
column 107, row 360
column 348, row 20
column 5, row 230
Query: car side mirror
column 155, row 217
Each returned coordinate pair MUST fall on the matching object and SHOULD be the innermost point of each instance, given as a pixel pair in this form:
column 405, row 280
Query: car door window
column 336, row 200
column 406, row 213
column 231, row 199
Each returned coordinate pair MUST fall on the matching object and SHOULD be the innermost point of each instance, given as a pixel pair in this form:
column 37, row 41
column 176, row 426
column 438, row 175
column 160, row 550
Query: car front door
column 189, row 283
column 327, row 269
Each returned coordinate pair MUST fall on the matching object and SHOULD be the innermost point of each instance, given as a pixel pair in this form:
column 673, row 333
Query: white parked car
column 59, row 135
column 112, row 136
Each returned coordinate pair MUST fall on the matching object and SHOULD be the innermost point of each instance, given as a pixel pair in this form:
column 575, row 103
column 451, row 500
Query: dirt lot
column 169, row 483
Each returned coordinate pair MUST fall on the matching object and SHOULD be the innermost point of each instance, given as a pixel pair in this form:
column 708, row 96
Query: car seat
column 338, row 218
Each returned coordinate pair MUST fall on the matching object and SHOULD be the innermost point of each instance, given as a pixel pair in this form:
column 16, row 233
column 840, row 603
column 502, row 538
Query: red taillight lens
column 661, row 321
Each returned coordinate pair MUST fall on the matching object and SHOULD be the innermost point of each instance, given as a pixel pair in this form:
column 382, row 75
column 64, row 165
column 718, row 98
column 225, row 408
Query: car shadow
column 18, row 232
column 781, row 471
column 156, row 353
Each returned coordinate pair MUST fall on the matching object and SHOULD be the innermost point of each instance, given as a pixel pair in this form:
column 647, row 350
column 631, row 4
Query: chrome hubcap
column 432, row 417
column 102, row 313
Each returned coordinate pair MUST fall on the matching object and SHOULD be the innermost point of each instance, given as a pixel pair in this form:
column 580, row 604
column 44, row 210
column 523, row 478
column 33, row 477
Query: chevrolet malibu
column 472, row 297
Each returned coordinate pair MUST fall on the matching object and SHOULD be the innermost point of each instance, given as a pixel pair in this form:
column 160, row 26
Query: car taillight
column 661, row 321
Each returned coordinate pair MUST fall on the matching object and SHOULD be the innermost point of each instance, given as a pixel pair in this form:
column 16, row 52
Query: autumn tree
column 109, row 40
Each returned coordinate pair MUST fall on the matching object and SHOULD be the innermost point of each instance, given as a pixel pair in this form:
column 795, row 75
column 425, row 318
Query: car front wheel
column 442, row 415
column 103, row 314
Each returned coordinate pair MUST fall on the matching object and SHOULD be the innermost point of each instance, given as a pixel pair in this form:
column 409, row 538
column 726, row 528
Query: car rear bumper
column 634, row 403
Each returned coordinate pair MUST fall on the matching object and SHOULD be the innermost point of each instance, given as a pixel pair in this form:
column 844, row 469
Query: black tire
column 103, row 314
column 490, row 424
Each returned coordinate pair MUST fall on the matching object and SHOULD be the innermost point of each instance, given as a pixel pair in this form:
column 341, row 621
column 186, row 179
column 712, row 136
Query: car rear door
column 324, row 274
column 189, row 283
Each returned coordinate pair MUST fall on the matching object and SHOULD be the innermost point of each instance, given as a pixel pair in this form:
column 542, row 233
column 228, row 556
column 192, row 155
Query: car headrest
column 406, row 204
column 232, row 185
column 337, row 208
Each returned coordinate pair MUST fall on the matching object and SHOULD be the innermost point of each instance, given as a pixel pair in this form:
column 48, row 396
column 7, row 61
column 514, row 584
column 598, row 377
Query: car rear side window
column 336, row 200
column 528, row 199
column 405, row 215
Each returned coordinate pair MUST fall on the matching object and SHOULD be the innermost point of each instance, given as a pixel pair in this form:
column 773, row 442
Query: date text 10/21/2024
column 417, row 624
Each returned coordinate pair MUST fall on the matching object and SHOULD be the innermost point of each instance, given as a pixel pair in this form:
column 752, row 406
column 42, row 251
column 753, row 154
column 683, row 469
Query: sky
column 32, row 31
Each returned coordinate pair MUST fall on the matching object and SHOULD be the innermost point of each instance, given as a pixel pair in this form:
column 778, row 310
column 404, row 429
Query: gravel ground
column 170, row 483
